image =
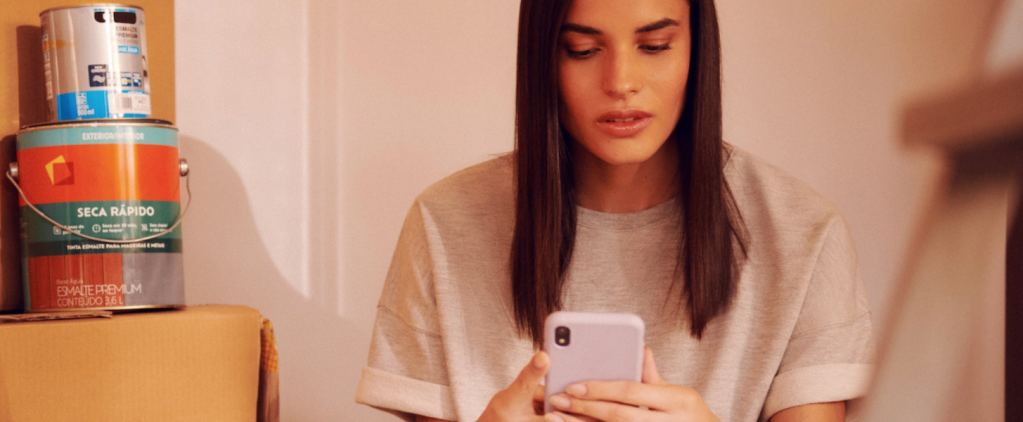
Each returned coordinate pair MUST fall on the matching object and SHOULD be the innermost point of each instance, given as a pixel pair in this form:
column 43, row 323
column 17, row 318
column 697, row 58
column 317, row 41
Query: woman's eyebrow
column 582, row 29
column 663, row 23
column 589, row 30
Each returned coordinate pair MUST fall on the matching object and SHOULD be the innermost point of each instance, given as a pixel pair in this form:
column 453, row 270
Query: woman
column 622, row 197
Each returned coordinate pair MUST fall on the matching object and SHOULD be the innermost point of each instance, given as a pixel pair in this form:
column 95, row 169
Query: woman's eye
column 580, row 54
column 652, row 49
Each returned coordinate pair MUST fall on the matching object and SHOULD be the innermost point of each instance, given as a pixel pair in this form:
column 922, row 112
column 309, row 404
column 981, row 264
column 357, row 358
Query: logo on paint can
column 60, row 171
column 98, row 75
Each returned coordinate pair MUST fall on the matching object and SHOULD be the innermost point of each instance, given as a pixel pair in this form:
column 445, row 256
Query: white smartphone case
column 602, row 346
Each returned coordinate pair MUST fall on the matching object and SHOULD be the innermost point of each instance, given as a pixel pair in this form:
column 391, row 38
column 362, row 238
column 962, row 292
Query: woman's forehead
column 625, row 15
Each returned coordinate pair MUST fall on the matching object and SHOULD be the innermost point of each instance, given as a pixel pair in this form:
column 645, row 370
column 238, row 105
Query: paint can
column 100, row 209
column 94, row 61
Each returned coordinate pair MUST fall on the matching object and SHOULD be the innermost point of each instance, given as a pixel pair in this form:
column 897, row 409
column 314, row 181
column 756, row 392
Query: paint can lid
column 64, row 124
column 76, row 6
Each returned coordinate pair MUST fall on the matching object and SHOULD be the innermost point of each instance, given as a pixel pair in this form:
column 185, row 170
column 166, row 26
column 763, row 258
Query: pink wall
column 312, row 124
column 817, row 88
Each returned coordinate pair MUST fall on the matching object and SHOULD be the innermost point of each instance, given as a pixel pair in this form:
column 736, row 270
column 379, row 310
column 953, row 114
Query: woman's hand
column 522, row 401
column 626, row 401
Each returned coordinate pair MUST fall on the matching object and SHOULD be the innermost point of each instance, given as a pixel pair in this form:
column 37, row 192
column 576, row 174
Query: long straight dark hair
column 712, row 237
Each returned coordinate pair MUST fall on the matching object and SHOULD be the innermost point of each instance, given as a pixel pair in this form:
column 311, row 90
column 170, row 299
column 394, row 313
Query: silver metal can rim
column 76, row 6
column 109, row 308
column 68, row 124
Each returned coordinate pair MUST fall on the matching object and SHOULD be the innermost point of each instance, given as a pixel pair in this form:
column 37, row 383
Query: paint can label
column 94, row 62
column 102, row 105
column 111, row 182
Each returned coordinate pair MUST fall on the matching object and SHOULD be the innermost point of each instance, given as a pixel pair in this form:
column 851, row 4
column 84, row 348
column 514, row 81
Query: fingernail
column 550, row 417
column 577, row 390
column 560, row 402
column 539, row 362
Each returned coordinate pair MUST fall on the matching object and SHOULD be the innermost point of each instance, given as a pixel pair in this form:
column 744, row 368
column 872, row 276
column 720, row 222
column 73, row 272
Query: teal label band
column 114, row 220
column 85, row 135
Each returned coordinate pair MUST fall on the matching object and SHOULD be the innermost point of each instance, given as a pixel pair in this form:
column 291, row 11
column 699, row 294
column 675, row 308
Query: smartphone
column 588, row 346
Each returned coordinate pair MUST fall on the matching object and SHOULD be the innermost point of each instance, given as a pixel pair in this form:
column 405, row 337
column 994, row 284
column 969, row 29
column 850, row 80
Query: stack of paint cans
column 99, row 183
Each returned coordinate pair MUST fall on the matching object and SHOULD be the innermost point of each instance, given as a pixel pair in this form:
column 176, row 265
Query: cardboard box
column 23, row 102
column 196, row 364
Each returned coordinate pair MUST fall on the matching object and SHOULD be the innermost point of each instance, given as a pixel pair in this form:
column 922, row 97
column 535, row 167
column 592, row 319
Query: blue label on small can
column 82, row 105
column 103, row 104
column 127, row 49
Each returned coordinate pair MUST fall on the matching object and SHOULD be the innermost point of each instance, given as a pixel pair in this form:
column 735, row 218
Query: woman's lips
column 624, row 123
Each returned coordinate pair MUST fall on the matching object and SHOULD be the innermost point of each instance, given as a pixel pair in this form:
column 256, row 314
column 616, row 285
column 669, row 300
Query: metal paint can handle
column 12, row 175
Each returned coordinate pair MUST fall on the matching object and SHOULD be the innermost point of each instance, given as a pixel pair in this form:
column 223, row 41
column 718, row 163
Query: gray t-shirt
column 798, row 331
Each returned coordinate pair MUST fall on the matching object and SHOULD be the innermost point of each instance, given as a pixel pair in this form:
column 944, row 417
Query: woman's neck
column 625, row 188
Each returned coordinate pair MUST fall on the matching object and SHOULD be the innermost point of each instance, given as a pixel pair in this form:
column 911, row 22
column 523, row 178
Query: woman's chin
column 623, row 155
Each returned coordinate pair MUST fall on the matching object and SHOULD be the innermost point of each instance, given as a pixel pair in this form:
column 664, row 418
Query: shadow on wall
column 10, row 242
column 226, row 262
column 32, row 107
column 31, row 110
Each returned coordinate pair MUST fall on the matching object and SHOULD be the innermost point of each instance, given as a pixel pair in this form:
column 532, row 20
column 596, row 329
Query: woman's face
column 622, row 68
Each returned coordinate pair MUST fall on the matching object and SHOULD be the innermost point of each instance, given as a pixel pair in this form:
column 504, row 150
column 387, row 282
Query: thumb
column 650, row 375
column 526, row 383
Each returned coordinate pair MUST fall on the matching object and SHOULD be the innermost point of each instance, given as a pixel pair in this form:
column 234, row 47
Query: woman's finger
column 538, row 395
column 653, row 393
column 650, row 374
column 596, row 409
column 524, row 386
column 538, row 398
column 516, row 403
column 564, row 417
column 657, row 397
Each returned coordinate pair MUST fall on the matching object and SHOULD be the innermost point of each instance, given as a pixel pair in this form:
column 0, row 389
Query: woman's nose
column 622, row 75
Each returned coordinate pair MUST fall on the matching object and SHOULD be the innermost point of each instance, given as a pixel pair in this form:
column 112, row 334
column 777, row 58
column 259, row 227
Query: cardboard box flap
column 199, row 363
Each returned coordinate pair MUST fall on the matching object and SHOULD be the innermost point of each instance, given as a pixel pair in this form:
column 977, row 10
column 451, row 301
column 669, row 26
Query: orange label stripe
column 99, row 172
column 61, row 281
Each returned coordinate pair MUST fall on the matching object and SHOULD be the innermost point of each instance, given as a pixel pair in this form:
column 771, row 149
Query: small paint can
column 100, row 208
column 94, row 62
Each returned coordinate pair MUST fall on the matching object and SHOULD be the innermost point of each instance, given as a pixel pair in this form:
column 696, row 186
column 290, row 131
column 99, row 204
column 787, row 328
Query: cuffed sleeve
column 830, row 354
column 817, row 384
column 406, row 373
column 403, row 396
